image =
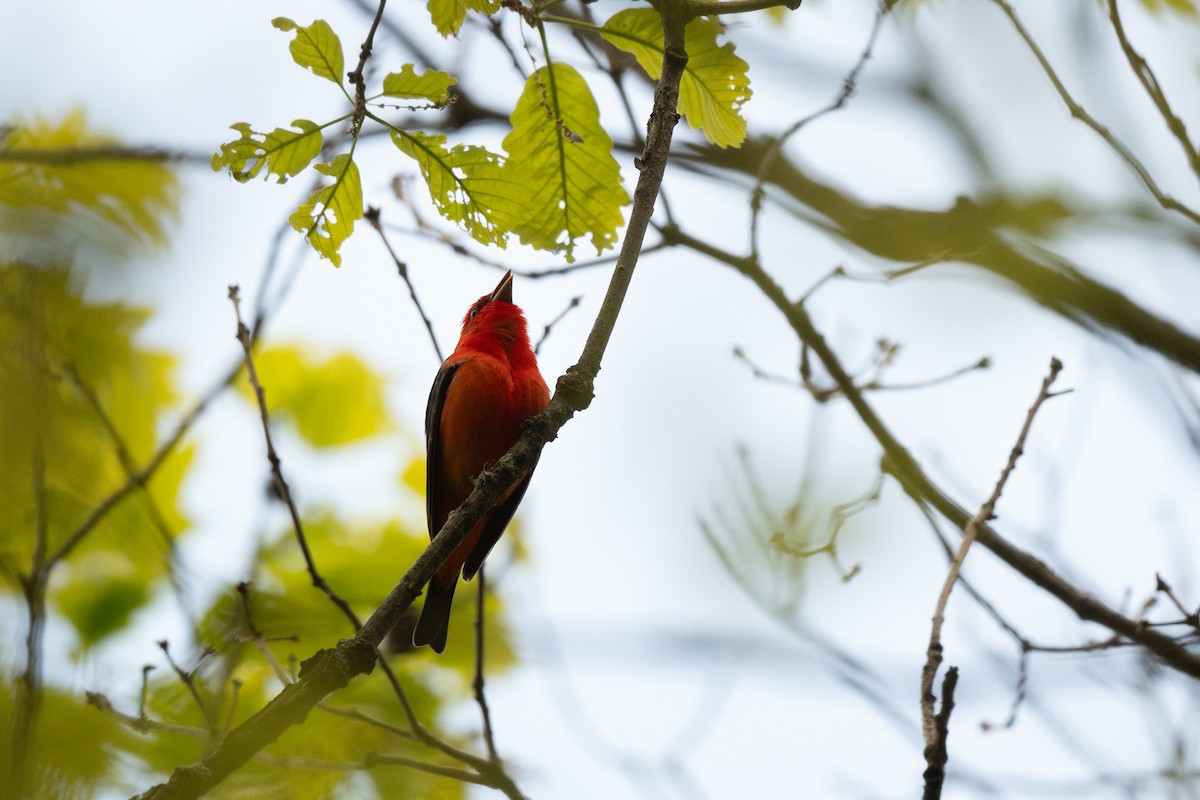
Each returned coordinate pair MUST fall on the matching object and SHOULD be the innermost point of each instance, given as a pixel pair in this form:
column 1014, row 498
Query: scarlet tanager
column 481, row 396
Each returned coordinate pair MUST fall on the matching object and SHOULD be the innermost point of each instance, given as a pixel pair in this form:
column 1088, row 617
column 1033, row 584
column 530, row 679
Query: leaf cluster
column 82, row 414
column 555, row 184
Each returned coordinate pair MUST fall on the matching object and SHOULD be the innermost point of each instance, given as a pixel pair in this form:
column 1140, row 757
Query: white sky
column 625, row 604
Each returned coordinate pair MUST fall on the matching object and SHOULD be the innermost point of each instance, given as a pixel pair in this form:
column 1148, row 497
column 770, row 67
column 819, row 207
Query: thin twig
column 157, row 518
column 1189, row 617
column 849, row 86
column 1080, row 113
column 332, row 669
column 69, row 156
column 931, row 722
column 481, row 698
column 281, row 485
column 188, row 679
column 256, row 636
column 876, row 384
column 1146, row 77
column 574, row 303
column 142, row 476
column 372, row 216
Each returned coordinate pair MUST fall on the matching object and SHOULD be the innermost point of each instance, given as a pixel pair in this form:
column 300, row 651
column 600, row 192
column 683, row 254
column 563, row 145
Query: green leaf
column 73, row 748
column 45, row 327
column 117, row 204
column 327, row 218
column 283, row 152
column 449, row 15
column 558, row 146
column 332, row 402
column 102, row 591
column 315, row 47
column 434, row 85
column 715, row 85
column 1186, row 8
column 468, row 184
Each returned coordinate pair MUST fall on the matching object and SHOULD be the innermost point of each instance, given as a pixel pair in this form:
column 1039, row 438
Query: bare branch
column 899, row 463
column 281, row 485
column 932, row 724
column 936, row 754
column 372, row 216
column 573, row 303
column 70, row 156
column 1080, row 113
column 1145, row 75
column 331, row 669
column 477, row 684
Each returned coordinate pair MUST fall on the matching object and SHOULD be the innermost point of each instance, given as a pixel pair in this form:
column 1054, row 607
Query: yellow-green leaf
column 315, row 47
column 449, row 15
column 714, row 86
column 432, row 85
column 61, row 357
column 1185, row 8
column 61, row 197
column 283, row 152
column 333, row 401
column 468, row 184
column 101, row 592
column 73, row 748
column 327, row 218
column 558, row 146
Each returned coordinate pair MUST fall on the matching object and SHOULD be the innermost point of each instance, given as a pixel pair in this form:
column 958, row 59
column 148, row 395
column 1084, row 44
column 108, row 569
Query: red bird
column 481, row 396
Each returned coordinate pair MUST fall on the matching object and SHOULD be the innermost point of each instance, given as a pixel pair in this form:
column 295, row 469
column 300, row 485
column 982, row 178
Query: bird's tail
column 434, row 623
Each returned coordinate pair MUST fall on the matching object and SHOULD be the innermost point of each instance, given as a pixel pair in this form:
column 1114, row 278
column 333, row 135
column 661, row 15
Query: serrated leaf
column 469, row 185
column 434, row 85
column 332, row 402
column 449, row 15
column 558, row 145
column 315, row 47
column 327, row 218
column 714, row 86
column 283, row 152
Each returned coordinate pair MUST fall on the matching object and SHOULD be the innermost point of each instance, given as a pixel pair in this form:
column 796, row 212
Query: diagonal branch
column 1145, row 75
column 1080, row 113
column 333, row 668
column 900, row 464
column 281, row 485
column 935, row 725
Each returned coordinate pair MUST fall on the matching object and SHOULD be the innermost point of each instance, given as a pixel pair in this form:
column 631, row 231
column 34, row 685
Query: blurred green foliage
column 83, row 410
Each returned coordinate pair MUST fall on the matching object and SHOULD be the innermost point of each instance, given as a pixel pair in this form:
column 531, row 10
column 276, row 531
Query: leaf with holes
column 283, row 152
column 714, row 86
column 327, row 218
column 557, row 144
column 468, row 184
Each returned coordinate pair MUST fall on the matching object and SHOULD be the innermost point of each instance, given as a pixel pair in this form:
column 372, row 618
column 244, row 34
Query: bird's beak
column 504, row 289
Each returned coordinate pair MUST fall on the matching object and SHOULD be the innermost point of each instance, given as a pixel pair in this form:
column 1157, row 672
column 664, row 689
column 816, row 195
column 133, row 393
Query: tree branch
column 281, row 485
column 1080, row 113
column 900, row 464
column 935, row 725
column 333, row 668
